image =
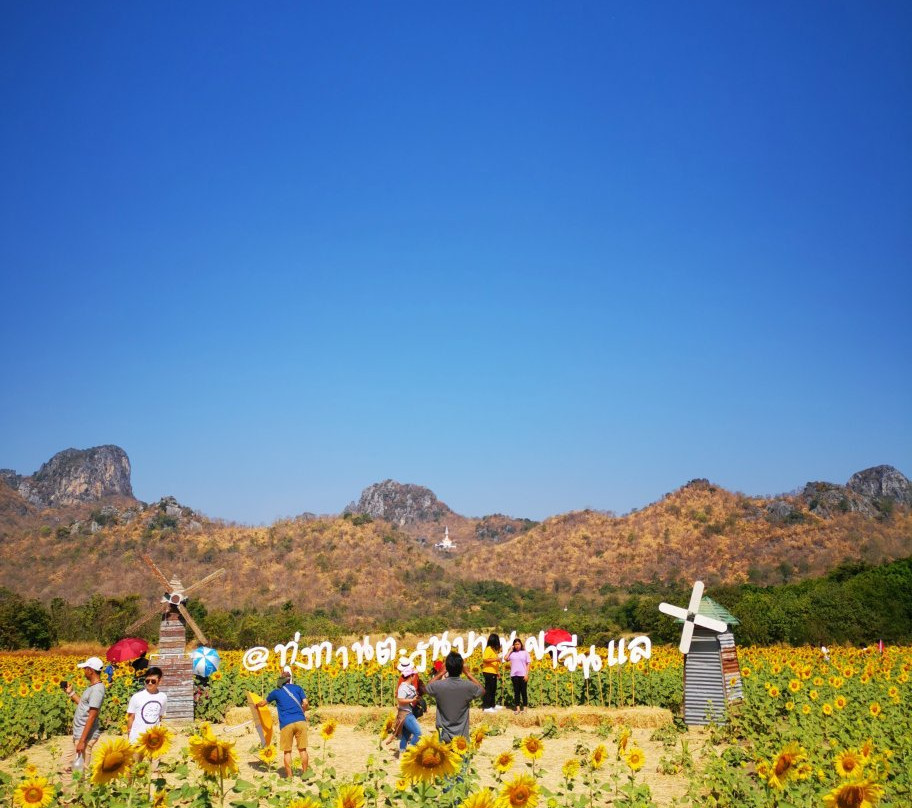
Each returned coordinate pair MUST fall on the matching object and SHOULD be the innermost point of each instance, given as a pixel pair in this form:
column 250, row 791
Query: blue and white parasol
column 205, row 660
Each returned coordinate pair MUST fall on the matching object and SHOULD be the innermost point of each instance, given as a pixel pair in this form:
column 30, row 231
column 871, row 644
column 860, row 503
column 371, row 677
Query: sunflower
column 350, row 797
column 875, row 709
column 429, row 759
column 840, row 702
column 504, row 762
column 571, row 768
column 623, row 737
column 784, row 764
column 599, row 756
column 827, row 709
column 849, row 763
column 112, row 759
column 328, row 729
column 854, row 794
column 213, row 755
column 34, row 793
column 480, row 799
column 160, row 799
column 746, row 672
column 790, row 705
column 403, row 784
column 268, row 754
column 388, row 724
column 813, row 694
column 304, row 802
column 479, row 735
column 153, row 743
column 805, row 709
column 532, row 747
column 520, row 792
column 795, row 685
column 866, row 750
column 636, row 759
column 460, row 745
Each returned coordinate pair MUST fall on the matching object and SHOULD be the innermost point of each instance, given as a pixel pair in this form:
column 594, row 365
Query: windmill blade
column 711, row 623
column 686, row 636
column 695, row 597
column 192, row 623
column 156, row 612
column 673, row 611
column 198, row 584
column 156, row 571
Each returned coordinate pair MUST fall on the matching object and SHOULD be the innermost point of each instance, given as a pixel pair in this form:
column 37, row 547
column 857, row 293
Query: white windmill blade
column 673, row 611
column 695, row 597
column 711, row 623
column 686, row 636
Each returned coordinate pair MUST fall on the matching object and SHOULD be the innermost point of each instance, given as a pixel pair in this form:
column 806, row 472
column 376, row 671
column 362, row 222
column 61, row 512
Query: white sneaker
column 498, row 706
column 488, row 710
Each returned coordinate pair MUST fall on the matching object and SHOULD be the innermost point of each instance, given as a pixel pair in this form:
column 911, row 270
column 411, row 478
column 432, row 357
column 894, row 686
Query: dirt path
column 357, row 737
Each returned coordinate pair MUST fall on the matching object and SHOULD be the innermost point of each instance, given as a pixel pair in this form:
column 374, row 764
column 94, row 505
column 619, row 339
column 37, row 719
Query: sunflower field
column 834, row 732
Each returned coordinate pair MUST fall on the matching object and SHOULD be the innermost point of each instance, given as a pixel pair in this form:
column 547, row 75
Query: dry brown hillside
column 699, row 530
column 370, row 569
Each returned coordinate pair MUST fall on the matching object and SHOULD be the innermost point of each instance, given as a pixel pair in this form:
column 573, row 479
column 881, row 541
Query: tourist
column 86, row 726
column 291, row 701
column 490, row 669
column 454, row 696
column 146, row 707
column 518, row 657
column 407, row 693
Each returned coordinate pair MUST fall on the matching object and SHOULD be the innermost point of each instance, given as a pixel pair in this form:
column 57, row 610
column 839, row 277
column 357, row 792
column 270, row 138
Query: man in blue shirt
column 291, row 701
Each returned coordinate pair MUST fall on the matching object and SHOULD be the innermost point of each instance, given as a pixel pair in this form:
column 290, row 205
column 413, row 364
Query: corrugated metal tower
column 712, row 675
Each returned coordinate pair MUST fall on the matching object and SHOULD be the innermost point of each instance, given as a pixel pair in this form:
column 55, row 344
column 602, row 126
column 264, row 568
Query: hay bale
column 237, row 715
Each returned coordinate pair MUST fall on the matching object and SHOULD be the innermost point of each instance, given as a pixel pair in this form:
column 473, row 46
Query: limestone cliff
column 77, row 475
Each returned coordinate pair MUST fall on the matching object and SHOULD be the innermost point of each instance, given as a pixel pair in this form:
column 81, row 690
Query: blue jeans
column 410, row 732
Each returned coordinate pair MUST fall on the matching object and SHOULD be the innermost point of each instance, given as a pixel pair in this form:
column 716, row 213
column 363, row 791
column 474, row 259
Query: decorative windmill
column 712, row 675
column 177, row 668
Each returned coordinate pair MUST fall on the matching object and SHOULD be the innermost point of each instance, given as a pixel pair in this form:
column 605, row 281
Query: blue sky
column 535, row 257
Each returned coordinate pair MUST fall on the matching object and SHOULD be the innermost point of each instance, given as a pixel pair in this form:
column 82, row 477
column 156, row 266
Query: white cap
column 92, row 662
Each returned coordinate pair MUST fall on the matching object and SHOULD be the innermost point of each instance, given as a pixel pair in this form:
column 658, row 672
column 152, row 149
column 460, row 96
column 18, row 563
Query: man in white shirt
column 147, row 707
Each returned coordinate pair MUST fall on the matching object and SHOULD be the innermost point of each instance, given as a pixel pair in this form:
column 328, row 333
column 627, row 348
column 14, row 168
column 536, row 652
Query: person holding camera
column 86, row 723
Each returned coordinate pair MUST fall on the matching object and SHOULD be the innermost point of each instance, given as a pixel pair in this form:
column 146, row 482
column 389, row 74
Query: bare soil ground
column 357, row 738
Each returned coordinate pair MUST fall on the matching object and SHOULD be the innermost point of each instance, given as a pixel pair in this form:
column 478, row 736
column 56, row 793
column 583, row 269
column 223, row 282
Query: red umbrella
column 127, row 648
column 555, row 635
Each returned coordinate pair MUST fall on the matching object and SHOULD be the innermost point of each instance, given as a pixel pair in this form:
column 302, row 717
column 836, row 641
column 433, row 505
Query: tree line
column 855, row 603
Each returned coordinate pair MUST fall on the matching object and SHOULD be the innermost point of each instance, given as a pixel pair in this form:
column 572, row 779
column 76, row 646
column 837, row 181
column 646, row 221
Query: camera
column 64, row 686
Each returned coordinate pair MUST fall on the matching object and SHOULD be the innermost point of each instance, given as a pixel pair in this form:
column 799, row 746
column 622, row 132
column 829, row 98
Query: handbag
column 419, row 708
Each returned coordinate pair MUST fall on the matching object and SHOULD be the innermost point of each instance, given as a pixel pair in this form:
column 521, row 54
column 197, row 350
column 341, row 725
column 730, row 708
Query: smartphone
column 64, row 685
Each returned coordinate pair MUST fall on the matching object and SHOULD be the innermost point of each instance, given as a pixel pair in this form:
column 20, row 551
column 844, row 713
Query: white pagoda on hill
column 447, row 544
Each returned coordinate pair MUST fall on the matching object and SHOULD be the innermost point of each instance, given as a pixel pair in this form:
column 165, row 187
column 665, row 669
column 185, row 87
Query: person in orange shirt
column 490, row 667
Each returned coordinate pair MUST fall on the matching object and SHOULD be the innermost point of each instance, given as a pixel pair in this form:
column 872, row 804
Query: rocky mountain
column 870, row 492
column 882, row 482
column 75, row 476
column 400, row 504
column 378, row 562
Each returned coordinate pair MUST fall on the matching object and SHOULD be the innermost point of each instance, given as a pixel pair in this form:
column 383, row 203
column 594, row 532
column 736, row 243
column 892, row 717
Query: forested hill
column 361, row 569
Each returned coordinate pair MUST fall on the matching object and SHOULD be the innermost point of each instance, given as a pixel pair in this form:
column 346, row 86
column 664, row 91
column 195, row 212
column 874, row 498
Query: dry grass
column 562, row 717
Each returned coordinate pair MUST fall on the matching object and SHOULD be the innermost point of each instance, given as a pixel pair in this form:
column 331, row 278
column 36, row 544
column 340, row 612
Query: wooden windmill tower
column 177, row 669
column 712, row 675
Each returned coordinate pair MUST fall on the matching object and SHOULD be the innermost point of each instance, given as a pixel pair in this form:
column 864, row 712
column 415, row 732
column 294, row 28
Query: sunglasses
column 151, row 681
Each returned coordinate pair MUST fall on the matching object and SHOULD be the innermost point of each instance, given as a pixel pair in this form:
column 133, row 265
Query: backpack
column 419, row 708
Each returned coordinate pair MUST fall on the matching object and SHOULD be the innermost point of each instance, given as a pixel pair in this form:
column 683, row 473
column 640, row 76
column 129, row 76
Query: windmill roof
column 710, row 608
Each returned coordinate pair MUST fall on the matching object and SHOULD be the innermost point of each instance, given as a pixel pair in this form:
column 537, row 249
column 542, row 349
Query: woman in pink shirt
column 519, row 661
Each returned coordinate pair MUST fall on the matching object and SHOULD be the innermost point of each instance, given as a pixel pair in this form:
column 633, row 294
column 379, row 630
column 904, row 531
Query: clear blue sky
column 535, row 256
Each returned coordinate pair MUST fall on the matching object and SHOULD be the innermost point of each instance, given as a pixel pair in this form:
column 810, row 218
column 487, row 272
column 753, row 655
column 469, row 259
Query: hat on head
column 92, row 662
column 284, row 678
column 406, row 668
